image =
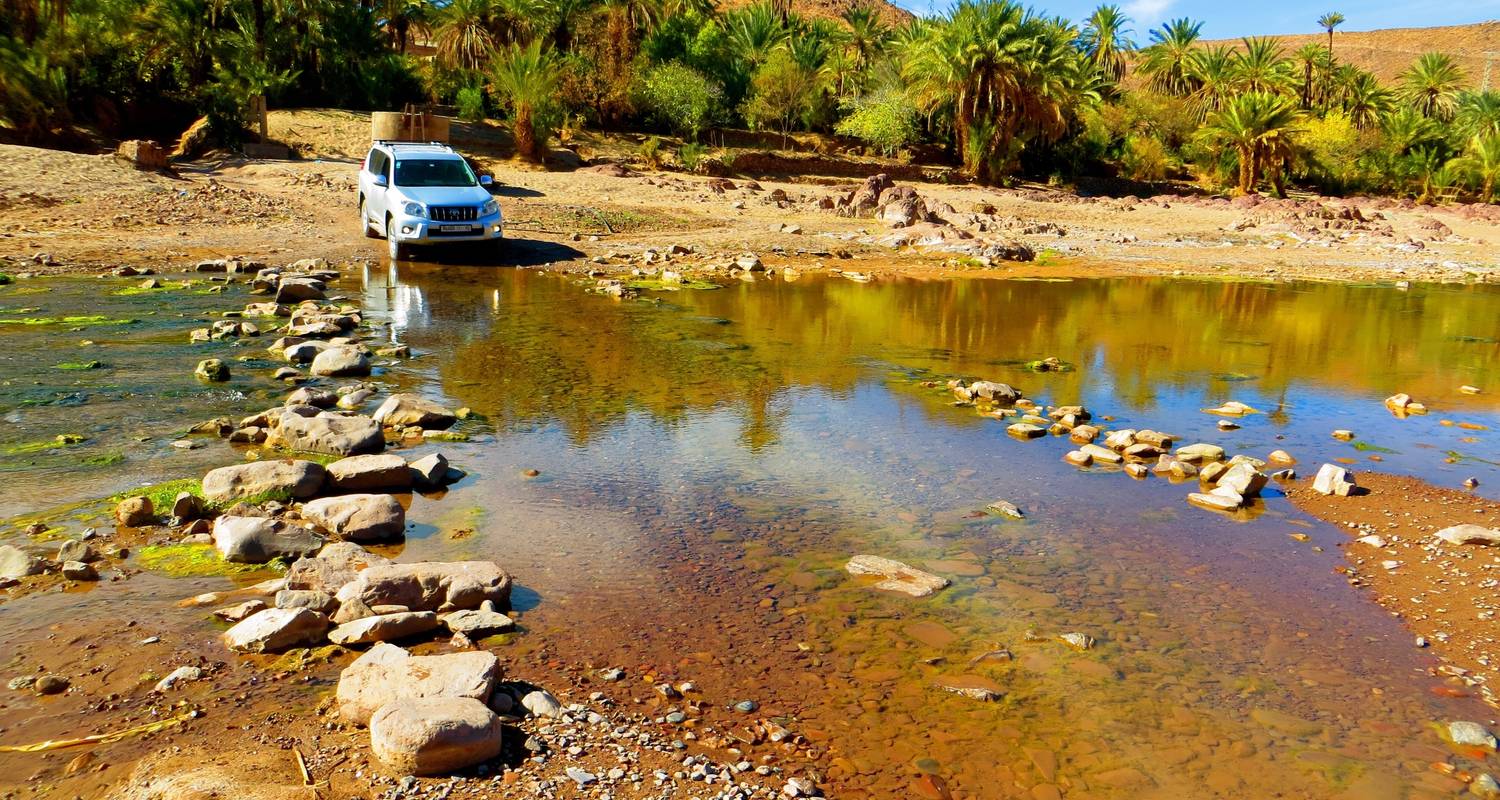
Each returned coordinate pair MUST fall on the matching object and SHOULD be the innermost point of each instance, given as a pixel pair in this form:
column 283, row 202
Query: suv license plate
column 455, row 228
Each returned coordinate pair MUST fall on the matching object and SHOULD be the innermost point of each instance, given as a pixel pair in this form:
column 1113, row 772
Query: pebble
column 746, row 706
column 581, row 777
column 52, row 684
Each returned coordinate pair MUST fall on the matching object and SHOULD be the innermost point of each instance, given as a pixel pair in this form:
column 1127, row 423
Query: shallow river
column 709, row 460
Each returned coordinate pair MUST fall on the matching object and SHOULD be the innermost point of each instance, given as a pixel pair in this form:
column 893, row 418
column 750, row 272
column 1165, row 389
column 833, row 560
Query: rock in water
column 1469, row 533
column 434, row 735
column 430, row 470
column 341, row 361
column 998, row 393
column 289, row 477
column 256, row 540
column 477, row 623
column 388, row 673
column 335, row 565
column 974, row 687
column 357, row 517
column 369, row 473
column 276, row 629
column 1333, row 479
column 898, row 577
column 1471, row 734
column 405, row 409
column 1244, row 479
column 212, row 369
column 431, row 585
column 334, row 435
column 383, row 628
column 1200, row 452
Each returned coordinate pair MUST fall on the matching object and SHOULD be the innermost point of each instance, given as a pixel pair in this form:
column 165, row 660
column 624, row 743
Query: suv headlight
column 489, row 208
column 415, row 209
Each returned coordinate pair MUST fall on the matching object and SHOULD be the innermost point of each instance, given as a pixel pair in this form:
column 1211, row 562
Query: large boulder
column 434, row 735
column 357, row 517
column 867, row 197
column 404, row 409
column 340, row 361
column 383, row 627
column 901, row 207
column 431, row 585
column 1469, row 533
column 336, row 564
column 294, row 478
column 334, row 435
column 387, row 673
column 276, row 629
column 16, row 563
column 256, row 540
column 1334, row 480
column 383, row 472
column 295, row 290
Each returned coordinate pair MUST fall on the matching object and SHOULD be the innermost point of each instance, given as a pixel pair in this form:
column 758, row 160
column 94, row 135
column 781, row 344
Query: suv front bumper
column 420, row 230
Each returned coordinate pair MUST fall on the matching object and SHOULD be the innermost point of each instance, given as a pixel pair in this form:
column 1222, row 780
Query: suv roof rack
column 409, row 143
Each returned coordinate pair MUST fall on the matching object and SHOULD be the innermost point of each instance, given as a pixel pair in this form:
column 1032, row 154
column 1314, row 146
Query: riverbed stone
column 374, row 472
column 1244, row 479
column 383, row 627
column 1470, row 734
column 1334, row 480
column 15, row 563
column 406, row 409
column 212, row 369
column 1216, row 502
column 335, row 565
column 998, row 393
column 133, row 512
column 256, row 540
column 974, row 687
column 341, row 361
column 330, row 434
column 898, row 577
column 302, row 352
column 296, row 290
column 477, row 623
column 353, row 400
column 79, row 571
column 312, row 396
column 1025, row 430
column 431, row 585
column 387, row 673
column 357, row 517
column 321, row 602
column 276, row 629
column 1200, row 452
column 434, row 735
column 1101, row 454
column 1470, row 533
column 77, row 550
column 430, row 470
column 541, row 703
column 294, row 478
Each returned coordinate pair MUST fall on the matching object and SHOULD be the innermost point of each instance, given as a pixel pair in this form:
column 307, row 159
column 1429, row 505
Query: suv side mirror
column 485, row 180
column 381, row 181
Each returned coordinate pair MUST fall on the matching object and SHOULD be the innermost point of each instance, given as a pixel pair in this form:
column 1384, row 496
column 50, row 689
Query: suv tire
column 397, row 250
column 364, row 222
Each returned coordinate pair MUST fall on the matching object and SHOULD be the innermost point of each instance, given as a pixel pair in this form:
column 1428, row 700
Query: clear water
column 709, row 460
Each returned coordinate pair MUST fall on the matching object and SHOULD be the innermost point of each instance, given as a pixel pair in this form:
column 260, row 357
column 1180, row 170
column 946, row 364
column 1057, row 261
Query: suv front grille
column 454, row 213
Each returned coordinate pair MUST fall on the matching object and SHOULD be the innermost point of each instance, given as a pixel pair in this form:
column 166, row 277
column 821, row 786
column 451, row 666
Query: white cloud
column 1148, row 13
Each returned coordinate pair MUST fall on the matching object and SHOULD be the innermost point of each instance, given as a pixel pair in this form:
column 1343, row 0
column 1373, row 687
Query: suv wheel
column 393, row 244
column 364, row 222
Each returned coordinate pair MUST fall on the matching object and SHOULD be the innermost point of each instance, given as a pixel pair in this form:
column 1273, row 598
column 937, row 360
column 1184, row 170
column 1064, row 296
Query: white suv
column 424, row 194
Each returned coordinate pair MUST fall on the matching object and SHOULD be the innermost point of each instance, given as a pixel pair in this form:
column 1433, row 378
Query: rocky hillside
column 1388, row 52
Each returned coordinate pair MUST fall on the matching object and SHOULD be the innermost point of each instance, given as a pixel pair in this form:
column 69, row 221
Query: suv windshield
column 434, row 172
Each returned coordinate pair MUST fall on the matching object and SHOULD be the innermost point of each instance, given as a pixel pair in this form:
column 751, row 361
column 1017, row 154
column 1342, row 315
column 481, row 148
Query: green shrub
column 681, row 98
column 470, row 103
column 690, row 155
column 650, row 152
column 886, row 121
column 1145, row 158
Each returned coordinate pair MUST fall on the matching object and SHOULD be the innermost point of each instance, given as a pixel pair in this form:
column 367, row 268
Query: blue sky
column 1258, row 17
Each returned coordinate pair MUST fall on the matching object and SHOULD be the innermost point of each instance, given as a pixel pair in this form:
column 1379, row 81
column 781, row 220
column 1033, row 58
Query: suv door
column 375, row 195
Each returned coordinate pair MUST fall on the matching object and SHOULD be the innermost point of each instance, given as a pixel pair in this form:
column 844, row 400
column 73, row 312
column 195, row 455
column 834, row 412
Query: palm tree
column 1002, row 75
column 527, row 76
column 1328, row 22
column 1259, row 126
column 1478, row 113
column 1362, row 96
column 1431, row 83
column 1213, row 73
column 400, row 18
column 1482, row 162
column 754, row 31
column 462, row 33
column 1262, row 67
column 1166, row 62
column 867, row 36
column 1104, row 42
column 1314, row 62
